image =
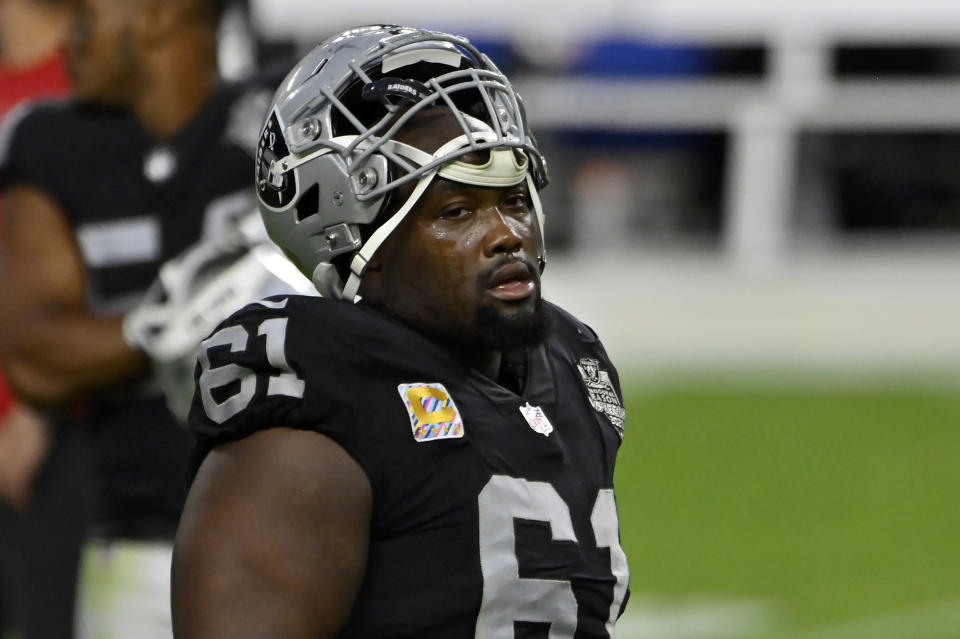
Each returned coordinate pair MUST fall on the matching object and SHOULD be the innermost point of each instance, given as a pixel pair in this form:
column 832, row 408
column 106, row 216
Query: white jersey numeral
column 606, row 530
column 509, row 598
column 287, row 382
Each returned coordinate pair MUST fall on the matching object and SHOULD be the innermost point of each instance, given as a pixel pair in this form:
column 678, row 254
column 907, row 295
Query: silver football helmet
column 327, row 160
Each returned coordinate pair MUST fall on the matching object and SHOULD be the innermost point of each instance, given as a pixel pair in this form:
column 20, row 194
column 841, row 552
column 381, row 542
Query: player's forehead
column 441, row 187
column 429, row 129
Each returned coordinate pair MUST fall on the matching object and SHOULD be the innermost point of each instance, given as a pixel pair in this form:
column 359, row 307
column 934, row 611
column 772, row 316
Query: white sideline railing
column 685, row 20
column 874, row 311
column 771, row 20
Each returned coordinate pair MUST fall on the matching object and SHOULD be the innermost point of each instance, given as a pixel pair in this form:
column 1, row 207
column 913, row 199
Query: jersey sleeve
column 275, row 363
column 24, row 145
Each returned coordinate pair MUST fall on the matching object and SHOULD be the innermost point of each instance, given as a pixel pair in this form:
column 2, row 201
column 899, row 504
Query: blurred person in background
column 42, row 486
column 148, row 157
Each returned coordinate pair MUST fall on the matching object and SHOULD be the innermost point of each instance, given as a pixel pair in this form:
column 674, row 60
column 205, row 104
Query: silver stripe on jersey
column 130, row 240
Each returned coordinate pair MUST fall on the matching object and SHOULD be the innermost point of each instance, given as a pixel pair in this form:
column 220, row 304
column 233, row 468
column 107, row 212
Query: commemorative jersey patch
column 433, row 415
column 537, row 419
column 600, row 390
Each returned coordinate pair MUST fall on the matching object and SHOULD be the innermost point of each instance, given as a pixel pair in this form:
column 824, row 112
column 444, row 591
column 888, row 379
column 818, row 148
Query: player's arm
column 52, row 347
column 24, row 442
column 272, row 541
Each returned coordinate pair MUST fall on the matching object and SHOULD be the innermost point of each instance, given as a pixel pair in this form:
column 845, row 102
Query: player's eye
column 517, row 200
column 457, row 212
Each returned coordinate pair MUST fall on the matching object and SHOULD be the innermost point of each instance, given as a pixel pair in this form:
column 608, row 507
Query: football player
column 428, row 450
column 40, row 530
column 98, row 192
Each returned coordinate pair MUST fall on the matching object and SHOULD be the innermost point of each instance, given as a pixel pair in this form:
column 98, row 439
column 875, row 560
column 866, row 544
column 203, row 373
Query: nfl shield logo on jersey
column 537, row 419
column 600, row 390
column 433, row 415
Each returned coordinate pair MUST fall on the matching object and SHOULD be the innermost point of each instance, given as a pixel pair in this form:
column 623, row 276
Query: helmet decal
column 384, row 88
column 275, row 187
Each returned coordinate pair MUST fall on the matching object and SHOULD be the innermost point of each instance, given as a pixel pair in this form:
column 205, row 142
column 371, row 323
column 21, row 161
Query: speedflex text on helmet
column 328, row 163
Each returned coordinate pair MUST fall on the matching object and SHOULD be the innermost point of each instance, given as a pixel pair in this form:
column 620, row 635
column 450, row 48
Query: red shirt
column 46, row 79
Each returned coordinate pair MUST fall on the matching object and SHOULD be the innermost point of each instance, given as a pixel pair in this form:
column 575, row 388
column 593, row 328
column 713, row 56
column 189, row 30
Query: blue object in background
column 629, row 57
column 498, row 50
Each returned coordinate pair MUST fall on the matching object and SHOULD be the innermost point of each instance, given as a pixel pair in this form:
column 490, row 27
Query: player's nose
column 502, row 233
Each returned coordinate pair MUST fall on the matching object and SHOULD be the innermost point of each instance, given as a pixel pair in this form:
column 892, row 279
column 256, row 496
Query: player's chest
column 448, row 441
column 523, row 493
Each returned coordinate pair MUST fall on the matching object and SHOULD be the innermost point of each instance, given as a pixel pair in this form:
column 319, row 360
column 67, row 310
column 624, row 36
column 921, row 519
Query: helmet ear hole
column 309, row 203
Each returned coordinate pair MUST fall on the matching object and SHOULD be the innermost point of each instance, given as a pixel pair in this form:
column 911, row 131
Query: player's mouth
column 512, row 282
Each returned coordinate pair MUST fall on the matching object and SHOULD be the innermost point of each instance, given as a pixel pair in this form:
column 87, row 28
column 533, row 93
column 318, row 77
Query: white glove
column 197, row 290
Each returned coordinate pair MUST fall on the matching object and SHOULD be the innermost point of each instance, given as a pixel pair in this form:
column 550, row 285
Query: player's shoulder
column 55, row 118
column 309, row 324
column 567, row 328
column 294, row 361
column 252, row 368
column 580, row 350
column 34, row 136
column 30, row 118
column 54, row 127
column 277, row 349
column 327, row 321
column 575, row 342
column 36, row 111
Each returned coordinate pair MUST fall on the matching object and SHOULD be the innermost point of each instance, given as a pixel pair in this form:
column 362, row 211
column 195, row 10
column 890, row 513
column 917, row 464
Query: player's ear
column 372, row 282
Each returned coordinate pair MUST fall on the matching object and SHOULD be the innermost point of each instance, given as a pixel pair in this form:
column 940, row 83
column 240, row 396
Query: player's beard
column 506, row 331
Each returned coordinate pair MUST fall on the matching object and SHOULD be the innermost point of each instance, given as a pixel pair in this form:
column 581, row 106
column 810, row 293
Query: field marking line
column 695, row 619
column 938, row 620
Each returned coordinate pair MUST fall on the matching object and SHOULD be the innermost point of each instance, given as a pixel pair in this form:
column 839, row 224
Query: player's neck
column 487, row 363
column 183, row 79
column 507, row 370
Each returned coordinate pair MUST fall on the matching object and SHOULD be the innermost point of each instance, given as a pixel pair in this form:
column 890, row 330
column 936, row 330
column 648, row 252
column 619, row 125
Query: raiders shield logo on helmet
column 277, row 187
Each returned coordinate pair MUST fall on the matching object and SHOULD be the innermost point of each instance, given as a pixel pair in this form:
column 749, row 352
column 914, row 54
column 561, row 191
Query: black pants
column 40, row 546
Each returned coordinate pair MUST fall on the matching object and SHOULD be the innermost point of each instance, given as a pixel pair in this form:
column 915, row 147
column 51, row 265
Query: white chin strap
column 505, row 167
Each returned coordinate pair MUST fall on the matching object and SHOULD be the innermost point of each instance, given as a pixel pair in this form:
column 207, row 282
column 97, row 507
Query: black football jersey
column 133, row 202
column 493, row 513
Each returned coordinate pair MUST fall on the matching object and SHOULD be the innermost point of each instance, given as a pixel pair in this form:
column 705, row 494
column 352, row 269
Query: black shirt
column 134, row 202
column 493, row 512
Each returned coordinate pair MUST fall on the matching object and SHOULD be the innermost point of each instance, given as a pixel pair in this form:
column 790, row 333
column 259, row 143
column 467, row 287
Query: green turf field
column 821, row 513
